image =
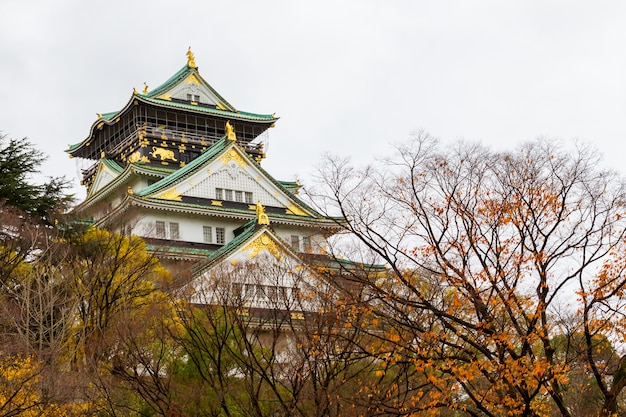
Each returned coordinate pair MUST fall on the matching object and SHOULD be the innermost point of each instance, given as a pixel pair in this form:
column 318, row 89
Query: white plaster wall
column 190, row 228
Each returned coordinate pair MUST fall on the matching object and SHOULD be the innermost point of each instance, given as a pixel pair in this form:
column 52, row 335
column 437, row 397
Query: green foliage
column 19, row 161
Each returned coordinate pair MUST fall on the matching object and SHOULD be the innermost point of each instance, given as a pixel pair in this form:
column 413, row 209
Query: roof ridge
column 178, row 76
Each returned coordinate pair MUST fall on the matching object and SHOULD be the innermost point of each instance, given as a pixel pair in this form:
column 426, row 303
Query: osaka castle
column 181, row 167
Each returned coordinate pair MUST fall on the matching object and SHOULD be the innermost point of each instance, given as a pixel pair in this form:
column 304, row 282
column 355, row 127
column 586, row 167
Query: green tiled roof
column 178, row 250
column 179, row 76
column 109, row 115
column 242, row 115
column 112, row 165
column 316, row 221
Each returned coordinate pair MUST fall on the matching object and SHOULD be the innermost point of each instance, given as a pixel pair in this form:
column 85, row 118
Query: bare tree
column 484, row 248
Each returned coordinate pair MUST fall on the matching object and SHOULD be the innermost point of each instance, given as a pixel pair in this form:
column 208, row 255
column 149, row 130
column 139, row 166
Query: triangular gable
column 107, row 171
column 228, row 167
column 256, row 266
column 187, row 84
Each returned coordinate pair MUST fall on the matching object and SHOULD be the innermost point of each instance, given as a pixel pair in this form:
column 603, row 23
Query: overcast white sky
column 349, row 77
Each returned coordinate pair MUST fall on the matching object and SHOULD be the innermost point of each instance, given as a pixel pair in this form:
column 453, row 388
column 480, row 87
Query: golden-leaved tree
column 491, row 256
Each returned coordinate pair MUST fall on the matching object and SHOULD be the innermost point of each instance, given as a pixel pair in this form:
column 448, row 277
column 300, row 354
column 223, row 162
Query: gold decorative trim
column 163, row 154
column 192, row 79
column 165, row 96
column 216, row 203
column 261, row 243
column 233, row 155
column 293, row 209
column 170, row 195
column 134, row 157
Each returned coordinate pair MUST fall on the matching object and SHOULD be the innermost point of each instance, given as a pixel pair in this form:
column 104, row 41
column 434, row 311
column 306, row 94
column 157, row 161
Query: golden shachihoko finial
column 230, row 132
column 145, row 88
column 260, row 214
column 191, row 61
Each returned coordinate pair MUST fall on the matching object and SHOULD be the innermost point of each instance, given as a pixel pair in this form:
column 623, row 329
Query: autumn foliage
column 493, row 257
column 465, row 282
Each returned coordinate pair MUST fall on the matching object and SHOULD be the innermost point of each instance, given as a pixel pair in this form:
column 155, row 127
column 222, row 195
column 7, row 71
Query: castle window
column 174, row 231
column 207, row 232
column 306, row 243
column 234, row 195
column 258, row 293
column 160, row 229
column 295, row 242
column 193, row 97
column 165, row 230
column 220, row 235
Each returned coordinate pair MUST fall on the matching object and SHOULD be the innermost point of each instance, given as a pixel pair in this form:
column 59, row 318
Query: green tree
column 19, row 162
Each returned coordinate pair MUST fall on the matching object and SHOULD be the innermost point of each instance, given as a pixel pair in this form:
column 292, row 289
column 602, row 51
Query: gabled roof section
column 97, row 193
column 226, row 150
column 189, row 78
column 188, row 169
column 107, row 171
column 254, row 239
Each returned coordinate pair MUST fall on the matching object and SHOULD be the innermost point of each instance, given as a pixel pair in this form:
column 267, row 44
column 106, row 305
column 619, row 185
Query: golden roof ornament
column 230, row 132
column 260, row 214
column 191, row 61
column 145, row 88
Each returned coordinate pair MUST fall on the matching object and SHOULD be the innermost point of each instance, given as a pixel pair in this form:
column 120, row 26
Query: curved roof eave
column 110, row 120
column 106, row 190
column 179, row 206
column 126, row 173
column 235, row 115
